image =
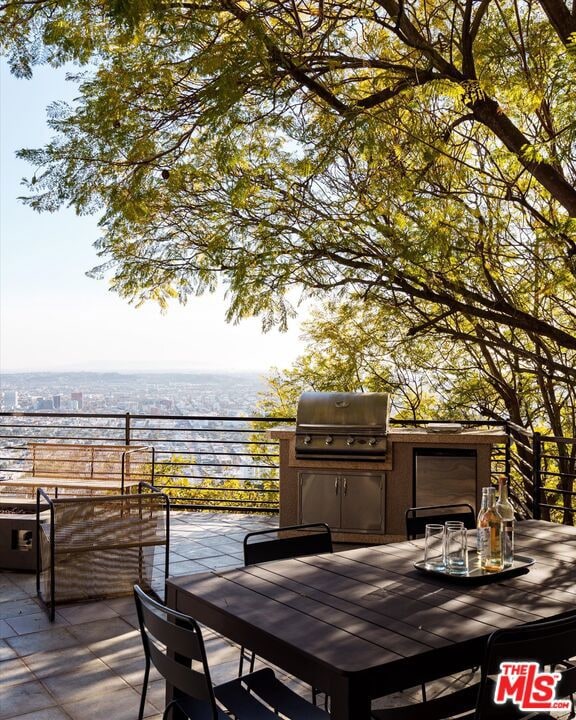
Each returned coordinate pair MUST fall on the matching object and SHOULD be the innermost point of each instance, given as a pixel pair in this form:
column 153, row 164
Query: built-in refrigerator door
column 444, row 476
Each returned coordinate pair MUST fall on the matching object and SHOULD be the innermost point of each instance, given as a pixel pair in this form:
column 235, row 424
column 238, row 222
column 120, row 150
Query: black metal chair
column 167, row 634
column 281, row 544
column 546, row 642
column 418, row 517
column 277, row 544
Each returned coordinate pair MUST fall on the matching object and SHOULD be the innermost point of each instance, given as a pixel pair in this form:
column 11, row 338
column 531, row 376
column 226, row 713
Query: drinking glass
column 434, row 547
column 456, row 548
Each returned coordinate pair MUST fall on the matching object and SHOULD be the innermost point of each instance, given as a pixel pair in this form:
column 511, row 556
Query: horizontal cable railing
column 203, row 462
column 521, row 470
column 543, row 474
column 230, row 463
column 555, row 478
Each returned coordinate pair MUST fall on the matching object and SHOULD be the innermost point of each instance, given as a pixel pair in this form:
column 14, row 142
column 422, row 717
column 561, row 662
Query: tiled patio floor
column 88, row 664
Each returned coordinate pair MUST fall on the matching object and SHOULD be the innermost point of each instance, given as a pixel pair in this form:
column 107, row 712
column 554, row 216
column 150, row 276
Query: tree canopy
column 363, row 347
column 415, row 154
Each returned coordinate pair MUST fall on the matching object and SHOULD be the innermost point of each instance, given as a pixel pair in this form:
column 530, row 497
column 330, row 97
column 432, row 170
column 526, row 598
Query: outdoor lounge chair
column 97, row 546
column 167, row 633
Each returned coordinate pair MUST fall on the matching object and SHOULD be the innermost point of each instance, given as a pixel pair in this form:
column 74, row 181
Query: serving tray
column 475, row 574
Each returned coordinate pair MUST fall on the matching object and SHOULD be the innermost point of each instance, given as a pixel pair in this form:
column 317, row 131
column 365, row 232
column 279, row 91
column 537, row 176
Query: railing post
column 507, row 453
column 537, row 473
column 127, row 429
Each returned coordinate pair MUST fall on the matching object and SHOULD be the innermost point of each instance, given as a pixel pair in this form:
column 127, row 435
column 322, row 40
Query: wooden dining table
column 363, row 623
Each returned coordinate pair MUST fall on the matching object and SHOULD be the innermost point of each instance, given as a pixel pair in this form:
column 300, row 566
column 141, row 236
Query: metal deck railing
column 229, row 463
column 204, row 462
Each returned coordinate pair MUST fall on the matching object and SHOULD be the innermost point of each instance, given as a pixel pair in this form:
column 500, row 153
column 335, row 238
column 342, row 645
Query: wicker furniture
column 99, row 546
column 117, row 468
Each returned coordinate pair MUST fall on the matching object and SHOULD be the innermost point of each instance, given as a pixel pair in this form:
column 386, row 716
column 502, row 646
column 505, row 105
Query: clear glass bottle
column 489, row 533
column 506, row 511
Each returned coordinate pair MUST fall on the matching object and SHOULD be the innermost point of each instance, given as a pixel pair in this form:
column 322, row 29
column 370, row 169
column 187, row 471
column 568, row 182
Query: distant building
column 56, row 402
column 9, row 399
column 77, row 396
column 44, row 404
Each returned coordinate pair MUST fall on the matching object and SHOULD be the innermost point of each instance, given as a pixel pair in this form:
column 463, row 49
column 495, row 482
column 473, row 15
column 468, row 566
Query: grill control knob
column 372, row 441
column 307, row 440
column 329, row 439
column 350, row 440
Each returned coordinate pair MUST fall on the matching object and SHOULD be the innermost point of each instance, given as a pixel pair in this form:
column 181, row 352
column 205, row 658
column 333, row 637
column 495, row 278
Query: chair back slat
column 180, row 636
column 418, row 517
column 186, row 679
column 168, row 635
column 294, row 541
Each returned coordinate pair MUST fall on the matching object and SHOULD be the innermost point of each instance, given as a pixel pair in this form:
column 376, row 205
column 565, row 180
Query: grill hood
column 342, row 425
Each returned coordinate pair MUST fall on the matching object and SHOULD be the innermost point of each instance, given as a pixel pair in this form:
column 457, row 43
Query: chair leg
column 250, row 657
column 144, row 690
column 167, row 709
column 315, row 693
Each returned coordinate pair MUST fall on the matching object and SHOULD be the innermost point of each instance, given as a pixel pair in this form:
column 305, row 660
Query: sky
column 53, row 317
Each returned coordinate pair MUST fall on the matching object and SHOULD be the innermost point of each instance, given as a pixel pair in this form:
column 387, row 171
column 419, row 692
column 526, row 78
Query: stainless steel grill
column 342, row 426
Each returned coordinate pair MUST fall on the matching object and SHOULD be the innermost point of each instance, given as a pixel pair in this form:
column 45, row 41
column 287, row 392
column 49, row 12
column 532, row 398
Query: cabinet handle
column 345, row 486
column 336, row 486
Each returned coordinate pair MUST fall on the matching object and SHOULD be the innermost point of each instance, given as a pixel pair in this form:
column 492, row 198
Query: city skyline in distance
column 188, row 393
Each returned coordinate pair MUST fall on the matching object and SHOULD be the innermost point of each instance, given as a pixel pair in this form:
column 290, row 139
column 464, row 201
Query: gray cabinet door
column 363, row 502
column 320, row 498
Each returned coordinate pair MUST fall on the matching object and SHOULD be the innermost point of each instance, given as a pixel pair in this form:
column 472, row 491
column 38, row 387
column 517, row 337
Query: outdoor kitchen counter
column 398, row 469
column 488, row 436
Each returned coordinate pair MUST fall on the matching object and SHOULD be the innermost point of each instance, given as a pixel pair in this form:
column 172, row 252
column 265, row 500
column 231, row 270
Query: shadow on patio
column 89, row 663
